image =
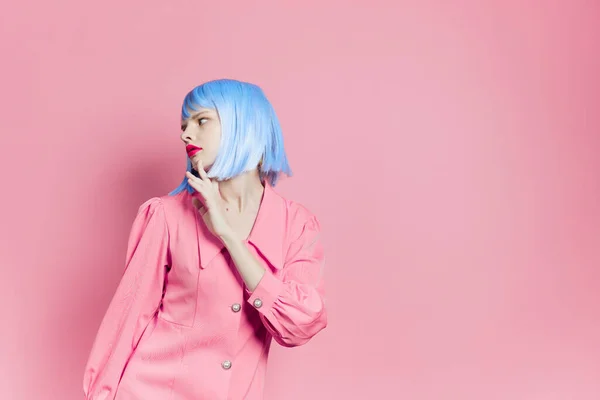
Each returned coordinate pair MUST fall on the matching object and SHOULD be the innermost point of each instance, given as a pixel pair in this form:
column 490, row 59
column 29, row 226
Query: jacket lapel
column 267, row 235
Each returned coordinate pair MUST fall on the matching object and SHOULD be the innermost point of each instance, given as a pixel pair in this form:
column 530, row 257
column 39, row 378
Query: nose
column 187, row 136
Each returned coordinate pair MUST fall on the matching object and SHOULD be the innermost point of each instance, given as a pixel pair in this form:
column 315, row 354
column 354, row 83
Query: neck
column 242, row 191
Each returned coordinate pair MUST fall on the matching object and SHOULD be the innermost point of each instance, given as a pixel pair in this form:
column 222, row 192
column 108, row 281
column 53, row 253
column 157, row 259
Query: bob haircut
column 250, row 131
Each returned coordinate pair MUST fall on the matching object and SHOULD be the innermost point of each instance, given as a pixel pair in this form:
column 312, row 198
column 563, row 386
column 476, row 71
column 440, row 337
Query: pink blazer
column 182, row 325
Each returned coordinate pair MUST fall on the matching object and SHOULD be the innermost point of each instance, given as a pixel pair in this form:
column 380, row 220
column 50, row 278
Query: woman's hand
column 211, row 205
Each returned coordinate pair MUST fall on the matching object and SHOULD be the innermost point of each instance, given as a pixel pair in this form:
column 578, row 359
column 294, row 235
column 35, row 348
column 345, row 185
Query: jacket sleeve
column 292, row 305
column 134, row 303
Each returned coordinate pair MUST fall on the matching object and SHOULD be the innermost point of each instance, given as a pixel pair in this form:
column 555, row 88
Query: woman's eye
column 201, row 121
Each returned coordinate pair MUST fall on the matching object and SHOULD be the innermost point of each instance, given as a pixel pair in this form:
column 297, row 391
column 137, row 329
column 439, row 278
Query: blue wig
column 250, row 131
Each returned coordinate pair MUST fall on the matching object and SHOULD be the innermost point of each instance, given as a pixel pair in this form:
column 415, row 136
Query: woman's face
column 201, row 133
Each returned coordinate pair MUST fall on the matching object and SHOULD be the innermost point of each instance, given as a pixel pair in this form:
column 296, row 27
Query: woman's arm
column 291, row 306
column 134, row 303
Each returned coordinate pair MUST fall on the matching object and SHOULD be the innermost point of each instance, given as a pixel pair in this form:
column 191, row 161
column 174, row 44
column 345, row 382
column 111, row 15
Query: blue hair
column 250, row 131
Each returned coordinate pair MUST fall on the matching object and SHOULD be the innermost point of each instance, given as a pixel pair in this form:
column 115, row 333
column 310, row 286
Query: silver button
column 236, row 307
column 257, row 303
column 226, row 364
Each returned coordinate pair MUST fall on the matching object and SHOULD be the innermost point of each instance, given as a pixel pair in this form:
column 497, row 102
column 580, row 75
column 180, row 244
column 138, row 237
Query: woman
column 216, row 269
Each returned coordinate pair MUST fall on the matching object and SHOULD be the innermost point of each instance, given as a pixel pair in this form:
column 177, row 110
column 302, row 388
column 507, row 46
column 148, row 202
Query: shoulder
column 152, row 204
column 163, row 207
column 150, row 212
column 303, row 232
column 166, row 203
column 300, row 214
column 299, row 218
column 150, row 207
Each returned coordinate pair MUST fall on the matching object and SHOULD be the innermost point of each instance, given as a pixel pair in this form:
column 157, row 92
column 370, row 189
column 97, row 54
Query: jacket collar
column 267, row 234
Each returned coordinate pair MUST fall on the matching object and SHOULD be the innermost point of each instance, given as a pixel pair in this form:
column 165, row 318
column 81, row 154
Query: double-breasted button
column 226, row 364
column 236, row 307
column 257, row 303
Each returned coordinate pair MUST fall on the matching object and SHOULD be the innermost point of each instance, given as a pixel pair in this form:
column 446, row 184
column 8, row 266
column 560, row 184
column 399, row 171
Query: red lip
column 192, row 150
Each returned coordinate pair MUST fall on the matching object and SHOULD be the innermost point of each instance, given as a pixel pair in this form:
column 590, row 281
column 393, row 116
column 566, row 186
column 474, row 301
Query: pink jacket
column 182, row 325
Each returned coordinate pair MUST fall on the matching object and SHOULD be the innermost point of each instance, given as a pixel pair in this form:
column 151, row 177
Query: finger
column 199, row 168
column 197, row 185
column 192, row 176
column 202, row 172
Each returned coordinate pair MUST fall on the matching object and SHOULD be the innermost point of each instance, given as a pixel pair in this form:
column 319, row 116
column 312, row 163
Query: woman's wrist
column 249, row 267
column 230, row 239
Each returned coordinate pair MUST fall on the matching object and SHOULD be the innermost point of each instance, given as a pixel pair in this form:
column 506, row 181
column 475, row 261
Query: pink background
column 451, row 151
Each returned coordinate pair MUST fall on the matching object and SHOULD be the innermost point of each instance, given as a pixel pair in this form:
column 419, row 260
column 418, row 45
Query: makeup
column 192, row 150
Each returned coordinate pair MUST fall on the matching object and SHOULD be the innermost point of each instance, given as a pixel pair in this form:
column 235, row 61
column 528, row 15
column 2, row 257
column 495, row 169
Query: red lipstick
column 192, row 150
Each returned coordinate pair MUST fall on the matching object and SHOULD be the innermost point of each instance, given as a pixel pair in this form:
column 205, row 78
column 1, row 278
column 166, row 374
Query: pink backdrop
column 452, row 153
